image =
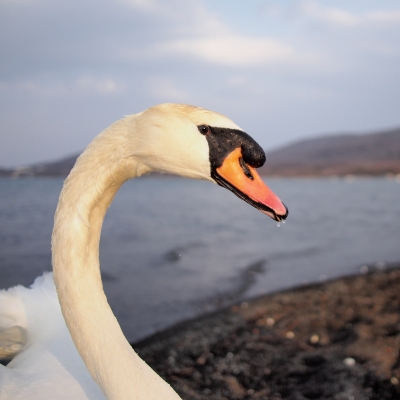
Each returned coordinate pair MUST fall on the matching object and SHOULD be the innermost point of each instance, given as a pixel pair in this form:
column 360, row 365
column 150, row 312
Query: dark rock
column 232, row 355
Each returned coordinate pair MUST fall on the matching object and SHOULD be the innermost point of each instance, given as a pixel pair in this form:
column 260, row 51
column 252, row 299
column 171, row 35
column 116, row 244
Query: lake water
column 172, row 249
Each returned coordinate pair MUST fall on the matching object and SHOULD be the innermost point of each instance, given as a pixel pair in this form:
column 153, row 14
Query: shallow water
column 172, row 248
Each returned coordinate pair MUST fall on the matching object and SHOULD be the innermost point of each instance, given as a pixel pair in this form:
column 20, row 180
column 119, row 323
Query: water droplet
column 278, row 224
column 283, row 222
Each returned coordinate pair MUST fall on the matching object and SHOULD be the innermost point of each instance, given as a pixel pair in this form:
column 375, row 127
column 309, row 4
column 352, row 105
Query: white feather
column 49, row 367
column 49, row 362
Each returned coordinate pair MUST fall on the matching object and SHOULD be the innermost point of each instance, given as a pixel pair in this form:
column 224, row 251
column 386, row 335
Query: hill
column 56, row 168
column 358, row 154
column 344, row 154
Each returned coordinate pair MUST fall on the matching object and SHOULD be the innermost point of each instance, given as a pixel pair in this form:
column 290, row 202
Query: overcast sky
column 281, row 69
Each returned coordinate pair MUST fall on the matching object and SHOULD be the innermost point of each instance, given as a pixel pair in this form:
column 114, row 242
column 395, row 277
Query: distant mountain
column 56, row 168
column 351, row 154
column 367, row 154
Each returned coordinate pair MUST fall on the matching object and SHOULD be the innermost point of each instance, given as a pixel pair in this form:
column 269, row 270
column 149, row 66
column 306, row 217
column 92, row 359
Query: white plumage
column 92, row 356
column 49, row 367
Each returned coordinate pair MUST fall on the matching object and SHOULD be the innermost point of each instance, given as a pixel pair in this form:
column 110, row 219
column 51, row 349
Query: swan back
column 48, row 361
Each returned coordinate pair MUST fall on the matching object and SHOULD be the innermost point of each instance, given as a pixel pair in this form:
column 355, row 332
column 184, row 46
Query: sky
column 282, row 70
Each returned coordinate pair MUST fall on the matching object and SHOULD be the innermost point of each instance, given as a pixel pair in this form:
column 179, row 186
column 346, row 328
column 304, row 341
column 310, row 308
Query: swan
column 61, row 332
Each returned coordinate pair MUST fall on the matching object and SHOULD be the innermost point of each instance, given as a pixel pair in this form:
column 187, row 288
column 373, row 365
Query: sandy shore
column 335, row 340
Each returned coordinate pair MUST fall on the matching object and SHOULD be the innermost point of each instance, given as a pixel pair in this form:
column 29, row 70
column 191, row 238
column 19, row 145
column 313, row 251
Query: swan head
column 201, row 144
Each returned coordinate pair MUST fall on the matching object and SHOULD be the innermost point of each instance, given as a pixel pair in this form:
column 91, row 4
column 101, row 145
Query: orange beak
column 245, row 182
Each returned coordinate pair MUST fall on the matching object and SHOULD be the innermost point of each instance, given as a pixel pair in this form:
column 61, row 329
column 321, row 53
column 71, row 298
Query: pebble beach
column 333, row 340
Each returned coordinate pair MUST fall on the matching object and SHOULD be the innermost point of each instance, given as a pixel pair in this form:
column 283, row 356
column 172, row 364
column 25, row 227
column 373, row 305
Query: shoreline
column 338, row 339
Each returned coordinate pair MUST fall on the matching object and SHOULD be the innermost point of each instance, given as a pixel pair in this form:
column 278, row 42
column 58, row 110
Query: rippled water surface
column 172, row 249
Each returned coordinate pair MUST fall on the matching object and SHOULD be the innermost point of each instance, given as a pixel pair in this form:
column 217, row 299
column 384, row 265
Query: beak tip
column 282, row 217
column 287, row 211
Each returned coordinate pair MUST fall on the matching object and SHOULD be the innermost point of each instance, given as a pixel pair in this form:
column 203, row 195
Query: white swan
column 168, row 138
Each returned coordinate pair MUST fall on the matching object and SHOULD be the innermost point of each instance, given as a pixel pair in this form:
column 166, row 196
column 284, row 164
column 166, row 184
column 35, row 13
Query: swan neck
column 84, row 200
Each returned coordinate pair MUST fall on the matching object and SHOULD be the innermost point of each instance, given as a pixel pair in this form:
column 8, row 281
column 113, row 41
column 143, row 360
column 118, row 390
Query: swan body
column 49, row 367
column 70, row 344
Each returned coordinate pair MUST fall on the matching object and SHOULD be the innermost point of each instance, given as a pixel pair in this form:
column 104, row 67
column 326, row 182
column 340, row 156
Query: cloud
column 337, row 16
column 71, row 67
column 96, row 85
column 165, row 89
column 337, row 41
column 194, row 33
column 55, row 87
column 230, row 50
column 136, row 31
column 147, row 5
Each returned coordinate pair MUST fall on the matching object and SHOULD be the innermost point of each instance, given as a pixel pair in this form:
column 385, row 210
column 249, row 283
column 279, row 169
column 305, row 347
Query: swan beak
column 243, row 180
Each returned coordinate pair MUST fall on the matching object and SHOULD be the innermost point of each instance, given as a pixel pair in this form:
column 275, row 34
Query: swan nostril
column 245, row 169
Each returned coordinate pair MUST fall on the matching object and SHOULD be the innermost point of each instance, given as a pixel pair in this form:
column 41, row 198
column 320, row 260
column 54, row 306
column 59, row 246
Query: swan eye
column 204, row 129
